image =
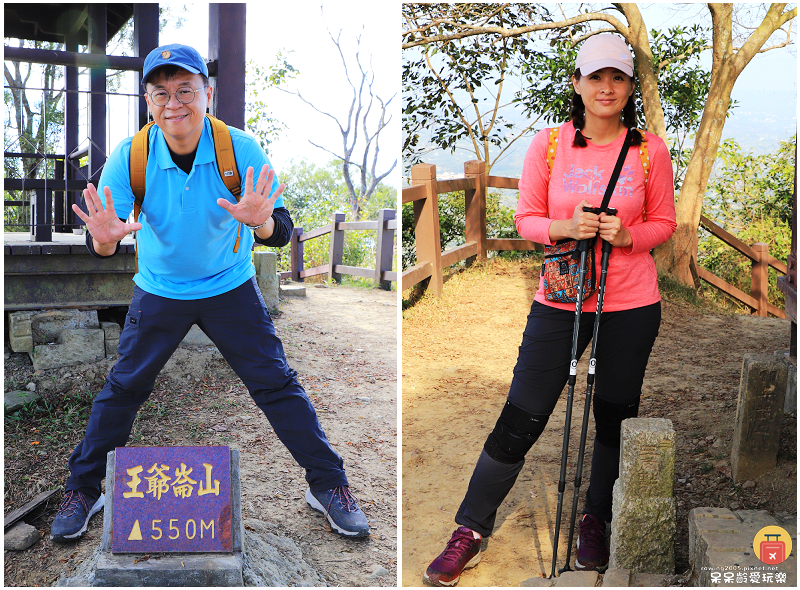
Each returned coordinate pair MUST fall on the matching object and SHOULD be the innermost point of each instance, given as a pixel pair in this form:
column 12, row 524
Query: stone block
column 616, row 578
column 196, row 337
column 790, row 402
column 180, row 570
column 293, row 290
column 14, row 400
column 47, row 325
column 73, row 347
column 577, row 580
column 643, row 507
column 537, row 582
column 647, row 467
column 721, row 544
column 643, row 533
column 762, row 392
column 267, row 278
column 20, row 537
column 19, row 331
column 650, row 580
column 703, row 521
column 111, row 332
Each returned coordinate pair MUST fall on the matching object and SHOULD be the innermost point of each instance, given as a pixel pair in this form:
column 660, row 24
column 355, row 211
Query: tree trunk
column 648, row 81
column 678, row 254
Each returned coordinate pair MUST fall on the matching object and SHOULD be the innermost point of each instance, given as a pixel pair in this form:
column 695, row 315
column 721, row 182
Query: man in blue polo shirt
column 190, row 274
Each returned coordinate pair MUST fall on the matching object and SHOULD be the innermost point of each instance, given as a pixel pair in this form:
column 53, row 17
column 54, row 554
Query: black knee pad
column 514, row 434
column 608, row 419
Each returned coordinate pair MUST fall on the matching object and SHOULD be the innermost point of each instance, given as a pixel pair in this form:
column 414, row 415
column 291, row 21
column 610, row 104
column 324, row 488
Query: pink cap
column 604, row 51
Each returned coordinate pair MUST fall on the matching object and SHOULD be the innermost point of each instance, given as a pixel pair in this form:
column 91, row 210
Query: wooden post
column 384, row 249
column 337, row 247
column 426, row 225
column 759, row 281
column 296, row 254
column 58, row 201
column 71, row 137
column 145, row 39
column 42, row 215
column 226, row 46
column 475, row 208
column 98, row 38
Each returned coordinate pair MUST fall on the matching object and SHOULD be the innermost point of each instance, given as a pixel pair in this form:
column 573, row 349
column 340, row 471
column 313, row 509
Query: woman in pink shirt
column 550, row 209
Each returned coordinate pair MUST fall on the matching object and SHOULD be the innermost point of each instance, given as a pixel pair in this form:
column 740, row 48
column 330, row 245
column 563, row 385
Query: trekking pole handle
column 597, row 211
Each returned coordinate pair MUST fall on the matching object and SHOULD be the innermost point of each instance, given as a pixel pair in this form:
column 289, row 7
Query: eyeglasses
column 161, row 98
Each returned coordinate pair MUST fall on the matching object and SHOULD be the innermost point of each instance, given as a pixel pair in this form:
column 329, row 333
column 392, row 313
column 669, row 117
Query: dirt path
column 343, row 344
column 458, row 356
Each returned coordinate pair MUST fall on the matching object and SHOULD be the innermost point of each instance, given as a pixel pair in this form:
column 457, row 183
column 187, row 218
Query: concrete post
column 762, row 390
column 643, row 506
column 266, row 264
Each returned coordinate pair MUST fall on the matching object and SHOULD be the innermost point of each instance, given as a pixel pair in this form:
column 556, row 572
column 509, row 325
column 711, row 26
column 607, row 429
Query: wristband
column 257, row 226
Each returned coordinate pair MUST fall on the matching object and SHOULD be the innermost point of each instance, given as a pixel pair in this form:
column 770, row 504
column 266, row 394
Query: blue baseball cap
column 175, row 54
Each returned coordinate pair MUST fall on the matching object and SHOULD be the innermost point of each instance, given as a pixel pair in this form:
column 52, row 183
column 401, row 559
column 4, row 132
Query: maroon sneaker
column 463, row 551
column 592, row 549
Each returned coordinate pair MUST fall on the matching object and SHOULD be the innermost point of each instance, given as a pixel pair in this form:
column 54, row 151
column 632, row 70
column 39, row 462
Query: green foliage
column 435, row 106
column 312, row 195
column 749, row 196
column 451, row 91
column 499, row 223
column 258, row 117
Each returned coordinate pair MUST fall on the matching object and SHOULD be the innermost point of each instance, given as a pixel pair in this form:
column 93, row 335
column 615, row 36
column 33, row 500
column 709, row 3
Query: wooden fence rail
column 425, row 190
column 761, row 259
column 386, row 225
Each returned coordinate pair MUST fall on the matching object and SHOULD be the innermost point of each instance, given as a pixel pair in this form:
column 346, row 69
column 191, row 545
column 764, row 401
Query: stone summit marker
column 181, row 506
column 169, row 499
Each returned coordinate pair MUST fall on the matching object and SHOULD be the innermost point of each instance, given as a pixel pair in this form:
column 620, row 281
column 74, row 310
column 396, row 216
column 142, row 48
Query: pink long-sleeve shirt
column 583, row 173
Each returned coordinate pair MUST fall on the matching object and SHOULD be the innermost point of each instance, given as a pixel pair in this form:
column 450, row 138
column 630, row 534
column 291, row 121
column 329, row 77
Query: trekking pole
column 606, row 251
column 583, row 246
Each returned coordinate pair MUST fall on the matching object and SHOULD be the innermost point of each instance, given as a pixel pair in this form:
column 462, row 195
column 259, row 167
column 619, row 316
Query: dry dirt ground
column 343, row 344
column 458, row 356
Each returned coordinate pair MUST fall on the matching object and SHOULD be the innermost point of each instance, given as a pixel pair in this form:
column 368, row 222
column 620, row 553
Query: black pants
column 625, row 340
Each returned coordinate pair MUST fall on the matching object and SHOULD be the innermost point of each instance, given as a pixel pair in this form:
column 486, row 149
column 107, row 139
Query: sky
column 300, row 27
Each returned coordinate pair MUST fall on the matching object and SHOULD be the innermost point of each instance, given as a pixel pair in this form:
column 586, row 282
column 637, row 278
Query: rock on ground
column 20, row 537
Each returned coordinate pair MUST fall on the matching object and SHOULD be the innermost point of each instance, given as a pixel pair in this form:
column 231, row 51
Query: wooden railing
column 431, row 261
column 386, row 225
column 424, row 192
column 761, row 259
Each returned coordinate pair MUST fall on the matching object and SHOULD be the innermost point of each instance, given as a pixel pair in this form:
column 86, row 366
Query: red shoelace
column 345, row 498
column 69, row 505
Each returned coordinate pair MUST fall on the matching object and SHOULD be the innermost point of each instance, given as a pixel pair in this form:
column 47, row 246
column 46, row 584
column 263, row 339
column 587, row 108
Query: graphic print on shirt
column 590, row 181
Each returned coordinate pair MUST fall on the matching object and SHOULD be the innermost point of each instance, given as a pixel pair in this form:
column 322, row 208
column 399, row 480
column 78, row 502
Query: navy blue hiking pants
column 240, row 326
column 624, row 342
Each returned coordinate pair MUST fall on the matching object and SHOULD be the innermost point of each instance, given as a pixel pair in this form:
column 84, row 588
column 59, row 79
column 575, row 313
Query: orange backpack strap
column 226, row 161
column 140, row 146
column 552, row 144
column 644, row 156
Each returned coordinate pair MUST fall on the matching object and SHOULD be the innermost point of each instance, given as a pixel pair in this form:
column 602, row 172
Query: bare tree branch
column 356, row 122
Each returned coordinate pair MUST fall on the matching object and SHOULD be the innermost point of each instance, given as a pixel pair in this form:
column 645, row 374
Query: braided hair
column 578, row 116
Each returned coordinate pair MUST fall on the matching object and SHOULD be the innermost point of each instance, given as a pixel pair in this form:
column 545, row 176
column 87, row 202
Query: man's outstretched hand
column 256, row 205
column 103, row 223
